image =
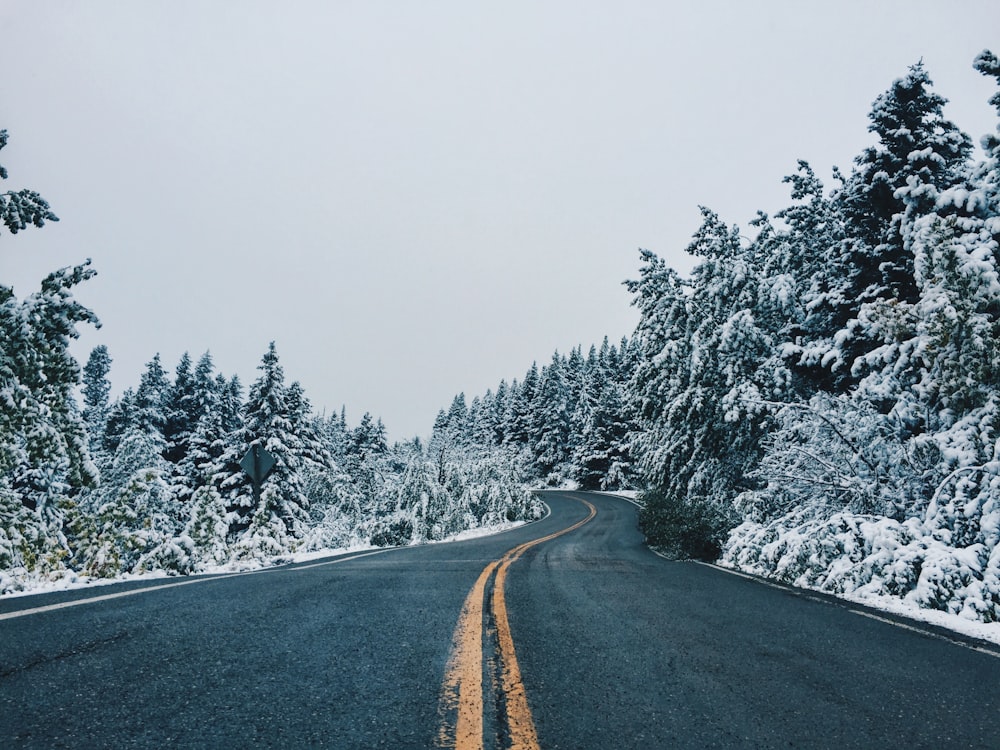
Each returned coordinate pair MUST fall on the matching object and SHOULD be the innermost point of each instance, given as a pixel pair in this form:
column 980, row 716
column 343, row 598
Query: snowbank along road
column 567, row 633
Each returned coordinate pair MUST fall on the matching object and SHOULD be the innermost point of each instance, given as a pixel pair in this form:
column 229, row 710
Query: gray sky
column 419, row 198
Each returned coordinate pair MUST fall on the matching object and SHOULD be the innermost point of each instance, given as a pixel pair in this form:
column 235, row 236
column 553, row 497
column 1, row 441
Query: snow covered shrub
column 839, row 552
column 335, row 509
column 268, row 535
column 174, row 556
column 30, row 547
column 854, row 503
column 393, row 532
column 849, row 554
column 332, row 530
column 496, row 491
column 208, row 527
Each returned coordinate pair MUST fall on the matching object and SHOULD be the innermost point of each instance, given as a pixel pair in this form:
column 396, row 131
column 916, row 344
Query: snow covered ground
column 70, row 580
column 903, row 568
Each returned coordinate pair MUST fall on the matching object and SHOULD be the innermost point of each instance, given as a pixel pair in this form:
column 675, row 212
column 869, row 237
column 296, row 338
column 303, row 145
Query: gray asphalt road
column 617, row 649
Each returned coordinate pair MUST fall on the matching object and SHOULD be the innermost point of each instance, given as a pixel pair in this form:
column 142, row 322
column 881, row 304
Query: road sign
column 257, row 463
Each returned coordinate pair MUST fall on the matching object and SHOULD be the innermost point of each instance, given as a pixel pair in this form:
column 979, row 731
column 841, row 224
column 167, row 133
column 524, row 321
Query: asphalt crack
column 78, row 650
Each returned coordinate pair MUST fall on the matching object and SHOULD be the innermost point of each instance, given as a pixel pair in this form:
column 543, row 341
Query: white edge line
column 846, row 604
column 932, row 634
column 205, row 579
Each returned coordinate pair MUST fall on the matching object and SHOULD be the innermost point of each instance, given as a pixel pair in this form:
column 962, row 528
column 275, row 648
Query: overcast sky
column 415, row 199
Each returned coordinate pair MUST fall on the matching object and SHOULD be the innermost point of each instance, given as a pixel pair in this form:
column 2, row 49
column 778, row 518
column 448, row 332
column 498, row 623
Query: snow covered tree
column 916, row 146
column 914, row 141
column 44, row 457
column 44, row 461
column 275, row 522
column 498, row 413
column 703, row 395
column 198, row 429
column 119, row 421
column 603, row 460
column 20, row 209
column 551, row 426
column 366, row 449
column 180, row 411
column 96, row 397
column 138, row 513
column 521, row 405
column 150, row 403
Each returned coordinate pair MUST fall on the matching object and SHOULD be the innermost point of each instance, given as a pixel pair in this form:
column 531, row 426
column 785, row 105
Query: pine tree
column 703, row 394
column 138, row 513
column 498, row 413
column 96, row 397
column 121, row 418
column 199, row 447
column 916, row 147
column 550, row 422
column 275, row 522
column 180, row 411
column 44, row 460
column 150, row 405
column 365, row 452
column 810, row 255
column 521, row 406
column 20, row 209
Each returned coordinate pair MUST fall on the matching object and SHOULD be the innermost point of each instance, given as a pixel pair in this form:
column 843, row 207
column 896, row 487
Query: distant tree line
column 568, row 421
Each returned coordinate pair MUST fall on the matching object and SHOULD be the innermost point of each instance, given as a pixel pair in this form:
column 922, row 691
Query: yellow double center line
column 462, row 693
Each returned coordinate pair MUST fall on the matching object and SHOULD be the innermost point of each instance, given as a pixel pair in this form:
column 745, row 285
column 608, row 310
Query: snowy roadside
column 71, row 581
column 986, row 631
column 909, row 568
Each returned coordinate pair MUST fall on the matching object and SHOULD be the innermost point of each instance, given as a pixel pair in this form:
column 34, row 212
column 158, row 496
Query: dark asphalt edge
column 928, row 629
column 922, row 627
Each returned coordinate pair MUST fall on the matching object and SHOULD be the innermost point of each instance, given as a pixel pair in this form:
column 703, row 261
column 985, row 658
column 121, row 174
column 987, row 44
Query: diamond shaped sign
column 257, row 463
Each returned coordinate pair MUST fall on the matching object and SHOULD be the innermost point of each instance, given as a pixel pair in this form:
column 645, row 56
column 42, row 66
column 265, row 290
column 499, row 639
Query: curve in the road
column 463, row 708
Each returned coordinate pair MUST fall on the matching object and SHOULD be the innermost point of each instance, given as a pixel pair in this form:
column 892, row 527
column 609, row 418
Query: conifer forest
column 817, row 402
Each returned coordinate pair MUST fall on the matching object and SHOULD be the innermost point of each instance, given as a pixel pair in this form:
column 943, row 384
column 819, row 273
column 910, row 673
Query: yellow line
column 463, row 685
column 520, row 724
column 519, row 721
column 463, row 682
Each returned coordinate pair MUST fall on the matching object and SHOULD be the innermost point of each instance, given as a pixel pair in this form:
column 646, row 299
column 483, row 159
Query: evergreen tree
column 498, row 413
column 550, row 422
column 181, row 411
column 20, row 209
column 704, row 395
column 366, row 449
column 521, row 405
column 276, row 521
column 916, row 147
column 44, row 461
column 121, row 417
column 138, row 512
column 44, row 457
column 196, row 448
column 96, row 393
column 150, row 402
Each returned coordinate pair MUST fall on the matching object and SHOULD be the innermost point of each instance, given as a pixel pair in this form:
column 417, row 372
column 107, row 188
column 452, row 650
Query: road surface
column 566, row 633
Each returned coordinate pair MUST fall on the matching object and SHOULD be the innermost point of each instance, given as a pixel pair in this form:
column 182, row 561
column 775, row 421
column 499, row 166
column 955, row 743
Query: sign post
column 257, row 464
